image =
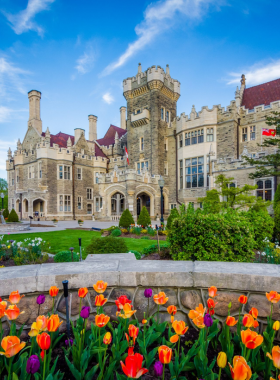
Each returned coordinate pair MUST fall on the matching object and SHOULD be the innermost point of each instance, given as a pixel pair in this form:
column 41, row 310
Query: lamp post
column 161, row 184
column 2, row 196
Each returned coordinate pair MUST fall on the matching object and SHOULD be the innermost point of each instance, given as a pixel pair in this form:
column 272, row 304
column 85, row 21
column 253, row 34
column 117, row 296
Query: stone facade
column 66, row 176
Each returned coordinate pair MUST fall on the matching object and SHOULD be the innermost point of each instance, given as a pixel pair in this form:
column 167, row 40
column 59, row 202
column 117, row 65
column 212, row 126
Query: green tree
column 277, row 222
column 144, row 217
column 126, row 219
column 173, row 214
column 13, row 216
column 268, row 165
column 276, row 200
column 233, row 197
column 6, row 213
column 211, row 203
column 3, row 186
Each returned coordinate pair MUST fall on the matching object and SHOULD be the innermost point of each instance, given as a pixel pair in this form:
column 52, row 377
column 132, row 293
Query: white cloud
column 85, row 62
column 159, row 17
column 258, row 73
column 22, row 21
column 108, row 98
column 8, row 114
column 4, row 146
column 11, row 77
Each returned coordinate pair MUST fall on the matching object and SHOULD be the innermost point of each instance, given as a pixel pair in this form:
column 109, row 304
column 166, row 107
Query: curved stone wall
column 184, row 282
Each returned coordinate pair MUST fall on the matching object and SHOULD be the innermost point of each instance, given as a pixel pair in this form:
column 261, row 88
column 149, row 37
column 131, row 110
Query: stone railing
column 184, row 282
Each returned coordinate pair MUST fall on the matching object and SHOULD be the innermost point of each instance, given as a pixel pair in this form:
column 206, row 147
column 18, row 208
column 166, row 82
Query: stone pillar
column 78, row 133
column 123, row 117
column 34, row 110
column 92, row 127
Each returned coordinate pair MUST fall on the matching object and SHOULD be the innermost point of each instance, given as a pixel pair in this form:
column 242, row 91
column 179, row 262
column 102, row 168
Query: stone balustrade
column 184, row 282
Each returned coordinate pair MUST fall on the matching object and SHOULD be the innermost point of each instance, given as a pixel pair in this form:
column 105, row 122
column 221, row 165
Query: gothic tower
column 151, row 107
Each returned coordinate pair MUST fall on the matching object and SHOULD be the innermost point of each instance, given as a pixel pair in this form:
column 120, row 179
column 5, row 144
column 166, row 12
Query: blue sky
column 78, row 52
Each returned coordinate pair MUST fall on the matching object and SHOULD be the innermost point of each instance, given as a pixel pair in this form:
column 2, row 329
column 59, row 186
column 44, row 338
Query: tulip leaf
column 15, row 377
column 260, row 367
column 91, row 373
column 77, row 375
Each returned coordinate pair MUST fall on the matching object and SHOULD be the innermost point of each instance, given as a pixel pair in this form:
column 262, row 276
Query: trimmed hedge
column 13, row 216
column 126, row 219
column 107, row 244
column 66, row 257
column 144, row 218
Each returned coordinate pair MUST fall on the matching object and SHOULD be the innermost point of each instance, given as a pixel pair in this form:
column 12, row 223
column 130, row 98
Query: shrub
column 110, row 229
column 107, row 244
column 116, row 232
column 151, row 249
column 173, row 214
column 144, row 218
column 144, row 231
column 137, row 230
column 6, row 213
column 262, row 224
column 124, row 231
column 66, row 257
column 276, row 200
column 126, row 219
column 212, row 237
column 151, row 231
column 13, row 216
column 137, row 254
column 145, row 237
column 277, row 222
column 161, row 233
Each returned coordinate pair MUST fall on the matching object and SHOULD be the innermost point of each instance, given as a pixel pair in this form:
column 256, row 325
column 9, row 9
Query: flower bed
column 97, row 347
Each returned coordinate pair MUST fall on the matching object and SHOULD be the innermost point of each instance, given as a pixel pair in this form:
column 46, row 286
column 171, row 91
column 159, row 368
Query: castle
column 76, row 176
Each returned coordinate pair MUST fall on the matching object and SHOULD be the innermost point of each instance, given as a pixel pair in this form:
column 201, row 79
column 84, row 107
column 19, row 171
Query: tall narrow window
column 60, row 174
column 210, row 135
column 89, row 194
column 29, row 172
column 79, row 203
column 166, row 168
column 244, row 134
column 67, row 203
column 138, row 167
column 253, row 132
column 96, row 178
column 167, row 116
column 200, row 136
column 79, row 173
column 32, row 172
column 181, row 174
column 194, row 170
column 67, row 172
column 141, row 143
column 194, row 137
column 180, row 141
column 89, row 208
column 162, row 113
column 61, row 203
column 187, row 139
column 17, row 175
column 40, row 169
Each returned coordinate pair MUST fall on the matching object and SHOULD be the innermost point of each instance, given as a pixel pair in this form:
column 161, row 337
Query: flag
column 268, row 132
column 126, row 153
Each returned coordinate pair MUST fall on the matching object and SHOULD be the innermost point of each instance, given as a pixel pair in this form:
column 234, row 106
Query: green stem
column 238, row 324
column 271, row 311
column 101, row 373
column 53, row 305
column 148, row 308
column 39, row 310
column 99, row 337
column 10, row 368
column 179, row 346
column 157, row 314
column 163, row 371
column 44, row 370
column 84, row 334
column 220, row 372
column 80, row 307
column 31, row 347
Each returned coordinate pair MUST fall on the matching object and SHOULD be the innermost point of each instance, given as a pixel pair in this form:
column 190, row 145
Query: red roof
column 109, row 137
column 262, row 94
column 61, row 140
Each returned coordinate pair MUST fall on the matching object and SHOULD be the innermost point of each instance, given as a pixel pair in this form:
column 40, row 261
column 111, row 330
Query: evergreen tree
column 173, row 214
column 6, row 213
column 13, row 216
column 144, row 218
column 126, row 219
column 276, row 200
column 268, row 165
column 277, row 223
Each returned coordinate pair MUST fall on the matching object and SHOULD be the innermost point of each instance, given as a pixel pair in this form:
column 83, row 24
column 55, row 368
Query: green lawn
column 62, row 240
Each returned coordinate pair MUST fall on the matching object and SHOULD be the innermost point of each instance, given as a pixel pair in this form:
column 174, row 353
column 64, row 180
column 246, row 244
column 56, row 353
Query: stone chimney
column 92, row 127
column 123, row 117
column 34, row 110
column 78, row 134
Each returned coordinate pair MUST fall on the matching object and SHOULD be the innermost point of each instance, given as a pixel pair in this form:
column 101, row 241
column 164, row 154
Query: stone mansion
column 70, row 176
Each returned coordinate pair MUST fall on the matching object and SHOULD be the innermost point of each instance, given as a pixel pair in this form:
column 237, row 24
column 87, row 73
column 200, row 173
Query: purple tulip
column 41, row 299
column 158, row 368
column 33, row 364
column 148, row 293
column 208, row 321
column 85, row 312
column 67, row 342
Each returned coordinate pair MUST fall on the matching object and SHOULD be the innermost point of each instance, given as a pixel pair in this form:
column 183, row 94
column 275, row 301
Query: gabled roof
column 61, row 140
column 109, row 137
column 262, row 94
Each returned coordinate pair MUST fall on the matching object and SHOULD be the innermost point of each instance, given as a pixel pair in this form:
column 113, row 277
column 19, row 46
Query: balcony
column 140, row 118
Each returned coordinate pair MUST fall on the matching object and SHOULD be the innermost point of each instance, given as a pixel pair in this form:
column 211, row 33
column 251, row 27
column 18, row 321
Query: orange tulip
column 273, row 296
column 240, row 369
column 212, row 291
column 107, row 338
column 197, row 316
column 144, row 321
column 211, row 303
column 251, row 339
column 12, row 312
column 133, row 332
column 44, row 341
column 133, row 366
column 3, row 306
column 53, row 323
column 164, row 354
column 126, row 311
column 254, row 312
column 180, row 327
column 172, row 310
column 231, row 321
column 82, row 292
column 243, row 299
column 101, row 320
column 100, row 300
column 15, row 297
column 11, row 346
column 100, row 286
column 53, row 291
column 174, row 338
column 38, row 326
column 256, row 324
column 248, row 320
column 275, row 356
column 160, row 299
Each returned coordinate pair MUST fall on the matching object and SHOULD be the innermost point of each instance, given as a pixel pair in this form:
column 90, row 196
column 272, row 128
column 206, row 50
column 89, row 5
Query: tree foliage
column 268, row 165
column 3, row 186
column 277, row 222
column 126, row 219
column 13, row 216
column 276, row 200
column 144, row 218
column 6, row 213
column 173, row 214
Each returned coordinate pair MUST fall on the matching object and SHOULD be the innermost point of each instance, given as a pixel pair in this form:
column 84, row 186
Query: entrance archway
column 143, row 199
column 38, row 207
column 117, row 204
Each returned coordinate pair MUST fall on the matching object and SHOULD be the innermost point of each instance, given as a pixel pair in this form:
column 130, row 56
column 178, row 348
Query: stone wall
column 184, row 282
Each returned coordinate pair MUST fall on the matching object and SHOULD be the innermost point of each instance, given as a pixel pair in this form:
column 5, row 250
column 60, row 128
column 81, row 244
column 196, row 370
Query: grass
column 63, row 240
